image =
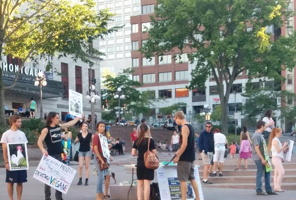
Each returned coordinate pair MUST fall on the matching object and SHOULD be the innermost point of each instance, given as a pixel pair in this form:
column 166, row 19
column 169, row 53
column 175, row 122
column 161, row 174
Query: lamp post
column 119, row 95
column 206, row 112
column 92, row 96
column 41, row 82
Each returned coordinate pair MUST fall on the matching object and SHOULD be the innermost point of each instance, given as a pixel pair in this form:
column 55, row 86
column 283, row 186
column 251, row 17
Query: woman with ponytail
column 277, row 150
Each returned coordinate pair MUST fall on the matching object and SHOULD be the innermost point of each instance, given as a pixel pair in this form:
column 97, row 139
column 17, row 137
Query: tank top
column 84, row 142
column 189, row 153
column 53, row 140
column 273, row 149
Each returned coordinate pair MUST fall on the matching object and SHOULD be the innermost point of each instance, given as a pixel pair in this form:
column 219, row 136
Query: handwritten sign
column 54, row 173
column 169, row 186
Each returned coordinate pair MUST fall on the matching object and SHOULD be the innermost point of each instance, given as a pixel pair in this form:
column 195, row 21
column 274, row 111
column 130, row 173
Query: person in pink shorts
column 244, row 152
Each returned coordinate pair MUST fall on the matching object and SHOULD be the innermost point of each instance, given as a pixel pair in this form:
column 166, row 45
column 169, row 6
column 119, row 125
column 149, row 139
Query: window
column 119, row 55
column 234, row 106
column 127, row 47
column 150, row 94
column 148, row 61
column 236, row 88
column 253, row 86
column 182, row 92
column 213, row 90
column 119, row 48
column 135, row 62
column 289, row 79
column 148, row 78
column 147, row 9
column 65, row 79
column 181, row 58
column 146, row 26
column 135, row 45
column 198, row 92
column 135, row 28
column 181, row 75
column 110, row 49
column 165, row 93
column 136, row 78
column 78, row 79
column 166, row 59
column 165, row 77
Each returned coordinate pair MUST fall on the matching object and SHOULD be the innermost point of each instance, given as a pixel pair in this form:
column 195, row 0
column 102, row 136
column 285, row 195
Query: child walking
column 244, row 152
column 232, row 149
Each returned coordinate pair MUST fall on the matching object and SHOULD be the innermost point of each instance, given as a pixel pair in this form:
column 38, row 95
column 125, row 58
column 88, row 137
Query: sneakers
column 261, row 193
column 207, row 182
column 220, row 174
column 213, row 174
column 272, row 193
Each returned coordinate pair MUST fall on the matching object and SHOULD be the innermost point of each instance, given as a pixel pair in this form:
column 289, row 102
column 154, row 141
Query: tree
column 39, row 28
column 225, row 38
column 134, row 101
column 216, row 114
column 170, row 109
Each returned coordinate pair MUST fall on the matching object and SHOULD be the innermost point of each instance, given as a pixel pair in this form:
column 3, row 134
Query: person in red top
column 134, row 135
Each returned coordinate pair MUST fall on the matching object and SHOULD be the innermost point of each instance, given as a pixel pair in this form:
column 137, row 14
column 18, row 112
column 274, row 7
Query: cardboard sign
column 17, row 156
column 169, row 186
column 75, row 103
column 54, row 173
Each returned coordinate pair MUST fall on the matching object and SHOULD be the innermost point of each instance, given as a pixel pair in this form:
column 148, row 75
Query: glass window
column 135, row 28
column 148, row 61
column 181, row 58
column 136, row 78
column 166, row 59
column 127, row 47
column 165, row 77
column 148, row 78
column 182, row 92
column 289, row 79
column 198, row 92
column 119, row 55
column 135, row 62
column 135, row 45
column 181, row 75
column 147, row 9
column 150, row 94
column 146, row 26
column 236, row 88
column 213, row 90
column 165, row 93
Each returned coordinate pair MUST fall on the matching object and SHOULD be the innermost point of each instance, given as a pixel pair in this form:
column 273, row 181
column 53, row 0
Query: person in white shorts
column 220, row 142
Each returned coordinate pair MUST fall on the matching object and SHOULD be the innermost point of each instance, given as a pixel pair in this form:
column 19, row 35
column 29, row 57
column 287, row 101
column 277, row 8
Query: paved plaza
column 34, row 190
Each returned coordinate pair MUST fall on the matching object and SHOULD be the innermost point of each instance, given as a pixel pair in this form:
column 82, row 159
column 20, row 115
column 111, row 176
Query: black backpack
column 154, row 192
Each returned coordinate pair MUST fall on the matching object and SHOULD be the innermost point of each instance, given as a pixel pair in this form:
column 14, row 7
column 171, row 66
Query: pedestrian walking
column 244, row 152
column 220, row 142
column 84, row 155
column 232, row 150
column 144, row 175
column 14, row 135
column 175, row 141
column 261, row 159
column 277, row 150
column 51, row 134
column 269, row 124
column 185, row 156
column 206, row 147
column 32, row 107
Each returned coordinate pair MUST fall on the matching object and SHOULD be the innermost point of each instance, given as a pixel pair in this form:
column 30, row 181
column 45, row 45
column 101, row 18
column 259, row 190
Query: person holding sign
column 261, row 158
column 277, row 150
column 102, row 155
column 14, row 135
column 185, row 156
column 51, row 134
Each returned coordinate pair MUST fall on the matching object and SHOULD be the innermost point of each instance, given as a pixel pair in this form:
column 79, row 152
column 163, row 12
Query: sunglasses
column 208, row 126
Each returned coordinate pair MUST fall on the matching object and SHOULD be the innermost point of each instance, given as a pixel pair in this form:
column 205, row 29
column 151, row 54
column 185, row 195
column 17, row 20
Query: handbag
column 76, row 156
column 150, row 159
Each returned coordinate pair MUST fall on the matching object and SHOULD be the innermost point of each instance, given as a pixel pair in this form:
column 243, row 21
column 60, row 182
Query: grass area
column 232, row 138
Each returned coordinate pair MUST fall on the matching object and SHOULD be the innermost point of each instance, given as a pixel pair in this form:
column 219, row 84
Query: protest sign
column 290, row 150
column 54, row 173
column 17, row 156
column 75, row 103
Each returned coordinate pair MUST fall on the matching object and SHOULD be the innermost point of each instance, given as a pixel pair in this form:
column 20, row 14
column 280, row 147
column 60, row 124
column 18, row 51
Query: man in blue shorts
column 14, row 135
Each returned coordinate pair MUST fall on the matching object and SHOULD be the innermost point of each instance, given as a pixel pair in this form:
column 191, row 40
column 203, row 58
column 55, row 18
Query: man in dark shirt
column 206, row 148
column 185, row 156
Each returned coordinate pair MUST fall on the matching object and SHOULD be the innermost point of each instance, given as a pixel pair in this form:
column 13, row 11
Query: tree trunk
column 224, row 115
column 2, row 97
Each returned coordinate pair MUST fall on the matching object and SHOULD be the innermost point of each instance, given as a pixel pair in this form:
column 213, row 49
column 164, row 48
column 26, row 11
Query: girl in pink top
column 244, row 152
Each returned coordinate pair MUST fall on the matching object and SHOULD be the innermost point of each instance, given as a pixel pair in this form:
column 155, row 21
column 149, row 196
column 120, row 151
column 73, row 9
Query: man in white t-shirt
column 218, row 158
column 14, row 135
column 175, row 141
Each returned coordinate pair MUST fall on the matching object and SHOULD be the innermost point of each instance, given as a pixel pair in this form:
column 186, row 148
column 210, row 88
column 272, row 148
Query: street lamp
column 92, row 96
column 119, row 95
column 41, row 82
column 206, row 112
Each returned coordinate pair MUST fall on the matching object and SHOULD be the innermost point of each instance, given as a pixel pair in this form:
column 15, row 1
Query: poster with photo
column 54, row 173
column 17, row 156
column 169, row 186
column 75, row 103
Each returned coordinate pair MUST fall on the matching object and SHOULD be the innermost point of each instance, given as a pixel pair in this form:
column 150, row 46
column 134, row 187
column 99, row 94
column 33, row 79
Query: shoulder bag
column 150, row 159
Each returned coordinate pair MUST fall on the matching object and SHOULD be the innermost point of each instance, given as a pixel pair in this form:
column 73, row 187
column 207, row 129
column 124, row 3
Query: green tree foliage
column 227, row 38
column 134, row 101
column 31, row 28
column 216, row 114
column 170, row 109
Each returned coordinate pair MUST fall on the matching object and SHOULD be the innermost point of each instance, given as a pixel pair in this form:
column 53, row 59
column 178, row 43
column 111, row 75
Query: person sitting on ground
column 118, row 146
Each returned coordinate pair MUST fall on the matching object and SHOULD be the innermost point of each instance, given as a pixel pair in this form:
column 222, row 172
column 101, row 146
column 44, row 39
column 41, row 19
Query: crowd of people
column 211, row 146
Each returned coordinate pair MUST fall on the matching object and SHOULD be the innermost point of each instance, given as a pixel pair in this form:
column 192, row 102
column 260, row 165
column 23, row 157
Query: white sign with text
column 54, row 173
column 75, row 103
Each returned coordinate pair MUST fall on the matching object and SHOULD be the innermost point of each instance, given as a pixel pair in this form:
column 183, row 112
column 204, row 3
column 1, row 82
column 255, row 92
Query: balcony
column 199, row 98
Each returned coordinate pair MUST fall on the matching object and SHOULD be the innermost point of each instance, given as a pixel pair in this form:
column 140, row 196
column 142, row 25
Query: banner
column 54, row 173
column 17, row 156
column 169, row 186
column 290, row 150
column 75, row 103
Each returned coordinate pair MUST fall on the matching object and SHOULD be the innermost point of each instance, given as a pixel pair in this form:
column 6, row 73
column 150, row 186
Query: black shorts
column 32, row 110
column 16, row 176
